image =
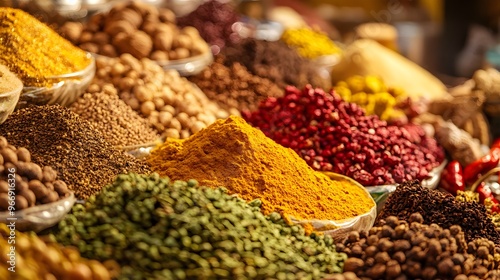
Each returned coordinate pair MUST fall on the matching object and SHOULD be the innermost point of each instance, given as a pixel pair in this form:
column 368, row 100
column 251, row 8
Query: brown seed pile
column 234, row 87
column 170, row 102
column 57, row 137
column 275, row 61
column 121, row 126
column 440, row 208
column 32, row 184
column 400, row 249
column 137, row 28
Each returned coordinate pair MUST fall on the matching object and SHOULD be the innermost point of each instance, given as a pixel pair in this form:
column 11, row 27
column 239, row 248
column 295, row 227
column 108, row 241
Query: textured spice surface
column 234, row 87
column 57, row 137
column 233, row 154
column 276, row 62
column 120, row 125
column 34, row 51
column 310, row 43
column 440, row 208
column 8, row 80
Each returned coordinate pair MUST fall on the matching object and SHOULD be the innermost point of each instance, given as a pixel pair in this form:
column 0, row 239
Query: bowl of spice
column 10, row 89
column 189, row 66
column 32, row 196
column 51, row 68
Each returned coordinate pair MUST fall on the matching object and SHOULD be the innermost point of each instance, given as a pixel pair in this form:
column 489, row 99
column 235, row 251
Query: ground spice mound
column 57, row 137
column 440, row 208
column 8, row 80
column 34, row 51
column 121, row 126
column 233, row 154
column 234, row 87
column 275, row 61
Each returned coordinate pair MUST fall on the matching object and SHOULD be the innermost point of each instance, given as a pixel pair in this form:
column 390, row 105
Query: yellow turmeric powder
column 233, row 154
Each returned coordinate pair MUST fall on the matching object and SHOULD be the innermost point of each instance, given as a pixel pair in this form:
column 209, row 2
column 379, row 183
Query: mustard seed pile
column 57, row 137
column 121, row 126
column 34, row 51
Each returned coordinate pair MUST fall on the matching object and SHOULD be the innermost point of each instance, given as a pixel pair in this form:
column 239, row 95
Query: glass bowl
column 189, row 66
column 66, row 88
column 339, row 229
column 182, row 7
column 40, row 217
column 381, row 193
column 324, row 65
column 8, row 102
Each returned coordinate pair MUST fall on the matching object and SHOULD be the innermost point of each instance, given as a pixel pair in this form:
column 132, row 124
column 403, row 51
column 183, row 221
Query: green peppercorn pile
column 161, row 229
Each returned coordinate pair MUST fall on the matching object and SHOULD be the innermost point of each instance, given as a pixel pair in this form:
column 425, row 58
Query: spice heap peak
column 233, row 154
column 34, row 51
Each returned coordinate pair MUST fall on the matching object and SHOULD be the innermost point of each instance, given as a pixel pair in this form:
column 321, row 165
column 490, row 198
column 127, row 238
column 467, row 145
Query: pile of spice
column 35, row 52
column 442, row 209
column 137, row 28
column 234, row 88
column 29, row 183
column 371, row 94
column 310, row 43
column 157, row 228
column 35, row 259
column 400, row 249
column 333, row 135
column 276, row 62
column 214, row 20
column 258, row 169
column 120, row 125
column 8, row 80
column 59, row 138
column 173, row 105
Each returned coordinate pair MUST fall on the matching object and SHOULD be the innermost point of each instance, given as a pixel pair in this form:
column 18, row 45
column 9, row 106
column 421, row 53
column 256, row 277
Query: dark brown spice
column 275, row 61
column 235, row 87
column 440, row 208
column 57, row 137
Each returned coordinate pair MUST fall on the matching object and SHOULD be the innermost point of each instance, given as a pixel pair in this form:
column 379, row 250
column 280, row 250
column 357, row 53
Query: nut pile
column 442, row 209
column 276, row 62
column 121, row 126
column 157, row 228
column 35, row 259
column 234, row 87
column 333, row 135
column 59, row 138
column 32, row 184
column 170, row 102
column 400, row 249
column 214, row 20
column 139, row 29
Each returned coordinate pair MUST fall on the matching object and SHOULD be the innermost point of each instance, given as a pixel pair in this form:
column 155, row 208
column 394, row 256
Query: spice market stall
column 144, row 144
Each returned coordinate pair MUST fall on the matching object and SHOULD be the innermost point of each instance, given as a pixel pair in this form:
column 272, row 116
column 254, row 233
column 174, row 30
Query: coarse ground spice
column 440, row 208
column 233, row 154
column 333, row 135
column 234, row 87
column 275, row 61
column 8, row 80
column 34, row 51
column 120, row 125
column 57, row 137
column 310, row 43
column 214, row 20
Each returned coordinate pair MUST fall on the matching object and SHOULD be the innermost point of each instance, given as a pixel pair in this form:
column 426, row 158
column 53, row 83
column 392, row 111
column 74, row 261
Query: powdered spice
column 57, row 137
column 233, row 154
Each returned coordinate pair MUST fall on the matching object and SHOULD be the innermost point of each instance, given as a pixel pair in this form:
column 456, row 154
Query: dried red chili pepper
column 452, row 179
column 484, row 193
column 473, row 171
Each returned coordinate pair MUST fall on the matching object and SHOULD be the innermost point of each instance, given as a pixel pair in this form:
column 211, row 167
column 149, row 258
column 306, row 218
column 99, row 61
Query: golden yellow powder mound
column 34, row 51
column 233, row 154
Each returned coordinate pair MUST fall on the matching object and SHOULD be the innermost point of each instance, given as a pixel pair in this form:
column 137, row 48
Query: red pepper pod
column 479, row 167
column 496, row 144
column 452, row 179
column 484, row 193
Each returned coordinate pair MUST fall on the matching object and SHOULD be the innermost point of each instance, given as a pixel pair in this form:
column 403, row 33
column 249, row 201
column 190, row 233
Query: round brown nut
column 90, row 47
column 9, row 155
column 21, row 202
column 33, row 171
column 120, row 26
column 38, row 189
column 3, row 142
column 52, row 196
column 163, row 41
column 20, row 184
column 49, row 186
column 60, row 187
column 30, row 197
column 4, row 201
column 49, row 174
column 23, row 154
column 4, row 187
